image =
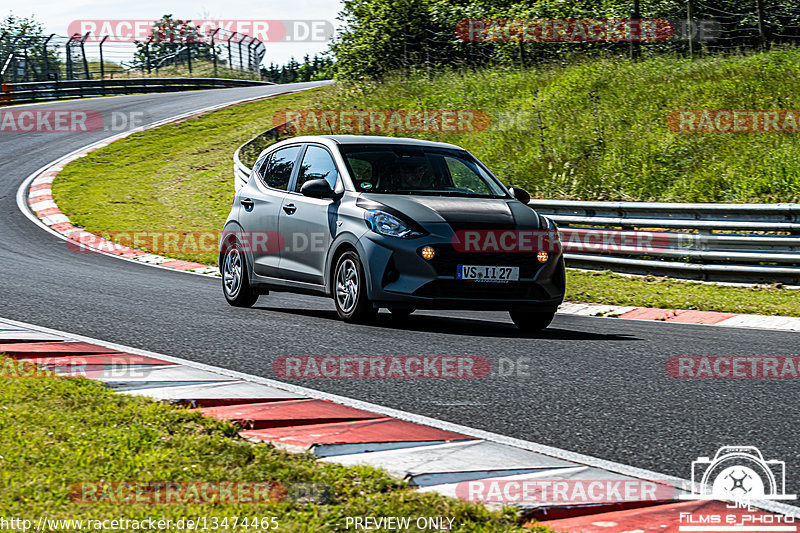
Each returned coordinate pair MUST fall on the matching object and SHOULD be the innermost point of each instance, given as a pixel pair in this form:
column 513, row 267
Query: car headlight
column 383, row 223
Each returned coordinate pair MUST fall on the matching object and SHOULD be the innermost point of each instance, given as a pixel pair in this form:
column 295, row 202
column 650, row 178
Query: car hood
column 459, row 213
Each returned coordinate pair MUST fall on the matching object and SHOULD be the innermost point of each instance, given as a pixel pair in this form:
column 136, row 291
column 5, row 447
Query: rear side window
column 261, row 165
column 278, row 169
column 317, row 164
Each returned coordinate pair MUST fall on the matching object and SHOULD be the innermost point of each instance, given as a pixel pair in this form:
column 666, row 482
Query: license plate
column 487, row 273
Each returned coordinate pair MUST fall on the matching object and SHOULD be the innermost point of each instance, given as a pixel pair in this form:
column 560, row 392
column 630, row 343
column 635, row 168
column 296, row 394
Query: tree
column 26, row 40
column 171, row 42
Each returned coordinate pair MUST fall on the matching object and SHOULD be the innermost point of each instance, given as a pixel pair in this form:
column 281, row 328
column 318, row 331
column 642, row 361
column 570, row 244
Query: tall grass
column 596, row 129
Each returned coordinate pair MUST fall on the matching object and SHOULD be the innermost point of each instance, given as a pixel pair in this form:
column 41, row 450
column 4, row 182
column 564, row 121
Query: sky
column 57, row 15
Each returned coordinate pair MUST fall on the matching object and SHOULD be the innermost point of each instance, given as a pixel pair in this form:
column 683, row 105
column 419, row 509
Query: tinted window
column 279, row 167
column 317, row 164
column 409, row 169
column 466, row 176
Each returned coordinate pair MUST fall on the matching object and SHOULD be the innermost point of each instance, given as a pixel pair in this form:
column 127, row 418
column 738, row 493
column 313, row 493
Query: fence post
column 83, row 53
column 214, row 51
column 762, row 33
column 3, row 36
column 635, row 44
column 241, row 61
column 690, row 26
column 230, row 53
column 251, row 57
column 147, row 53
column 70, row 71
column 46, row 59
column 25, row 56
column 9, row 59
column 405, row 49
column 102, row 66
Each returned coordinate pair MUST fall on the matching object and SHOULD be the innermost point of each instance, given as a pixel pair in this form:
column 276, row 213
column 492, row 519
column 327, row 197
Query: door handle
column 290, row 209
column 247, row 203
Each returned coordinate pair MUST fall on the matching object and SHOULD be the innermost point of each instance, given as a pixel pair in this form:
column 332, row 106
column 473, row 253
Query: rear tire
column 235, row 281
column 350, row 290
column 531, row 321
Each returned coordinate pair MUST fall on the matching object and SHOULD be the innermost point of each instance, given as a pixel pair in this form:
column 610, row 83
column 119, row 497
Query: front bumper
column 399, row 276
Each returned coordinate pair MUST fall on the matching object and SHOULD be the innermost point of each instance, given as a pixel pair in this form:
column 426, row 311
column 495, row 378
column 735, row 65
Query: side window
column 317, row 164
column 279, row 167
column 466, row 178
column 261, row 165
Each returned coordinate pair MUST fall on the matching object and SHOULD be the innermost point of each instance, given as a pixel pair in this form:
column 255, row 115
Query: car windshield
column 405, row 169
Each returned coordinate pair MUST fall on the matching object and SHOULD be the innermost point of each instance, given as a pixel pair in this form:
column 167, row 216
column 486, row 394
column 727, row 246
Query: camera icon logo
column 738, row 473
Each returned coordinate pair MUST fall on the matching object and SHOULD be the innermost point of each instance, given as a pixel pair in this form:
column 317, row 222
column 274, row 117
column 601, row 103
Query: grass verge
column 596, row 129
column 58, row 431
column 175, row 178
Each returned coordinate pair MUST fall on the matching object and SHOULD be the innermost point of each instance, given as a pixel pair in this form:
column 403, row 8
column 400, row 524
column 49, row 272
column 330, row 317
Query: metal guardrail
column 759, row 243
column 241, row 172
column 722, row 242
column 70, row 89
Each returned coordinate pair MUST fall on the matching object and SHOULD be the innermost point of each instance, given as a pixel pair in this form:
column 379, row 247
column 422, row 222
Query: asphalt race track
column 597, row 386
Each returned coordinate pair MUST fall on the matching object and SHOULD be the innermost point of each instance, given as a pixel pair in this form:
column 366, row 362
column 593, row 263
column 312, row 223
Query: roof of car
column 373, row 139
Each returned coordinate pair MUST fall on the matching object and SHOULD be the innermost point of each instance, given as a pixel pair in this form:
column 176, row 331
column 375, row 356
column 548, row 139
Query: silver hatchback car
column 389, row 222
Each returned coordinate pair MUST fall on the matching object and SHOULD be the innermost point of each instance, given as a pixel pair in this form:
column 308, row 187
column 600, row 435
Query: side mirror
column 520, row 194
column 318, row 189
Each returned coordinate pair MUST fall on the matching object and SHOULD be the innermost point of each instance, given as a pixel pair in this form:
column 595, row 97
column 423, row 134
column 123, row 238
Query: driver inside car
column 413, row 176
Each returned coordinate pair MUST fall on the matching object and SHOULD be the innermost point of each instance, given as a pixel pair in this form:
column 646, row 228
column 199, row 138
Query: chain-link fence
column 83, row 57
column 687, row 27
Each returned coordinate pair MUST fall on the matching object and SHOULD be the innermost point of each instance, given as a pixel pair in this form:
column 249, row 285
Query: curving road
column 597, row 386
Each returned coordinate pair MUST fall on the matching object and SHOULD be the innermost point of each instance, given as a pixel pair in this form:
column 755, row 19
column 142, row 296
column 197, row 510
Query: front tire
column 531, row 321
column 235, row 281
column 350, row 290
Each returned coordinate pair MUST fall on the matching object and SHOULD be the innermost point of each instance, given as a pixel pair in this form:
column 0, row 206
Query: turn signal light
column 428, row 252
column 542, row 256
